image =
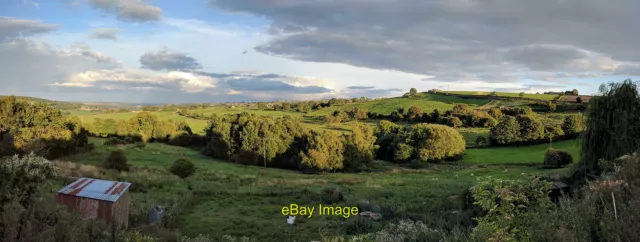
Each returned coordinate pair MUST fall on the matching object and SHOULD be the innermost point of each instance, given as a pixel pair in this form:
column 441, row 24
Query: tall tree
column 413, row 91
column 612, row 127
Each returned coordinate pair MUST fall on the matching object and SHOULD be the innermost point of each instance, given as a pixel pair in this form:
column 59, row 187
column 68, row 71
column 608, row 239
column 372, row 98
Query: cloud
column 216, row 86
column 165, row 60
column 13, row 27
column 360, row 87
column 105, row 33
column 129, row 10
column 30, row 66
column 632, row 69
column 481, row 40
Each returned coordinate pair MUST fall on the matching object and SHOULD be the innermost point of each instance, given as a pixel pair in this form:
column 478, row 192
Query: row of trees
column 35, row 127
column 145, row 126
column 284, row 142
column 528, row 129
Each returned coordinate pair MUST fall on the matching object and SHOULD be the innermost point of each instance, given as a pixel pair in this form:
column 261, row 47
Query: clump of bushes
column 140, row 145
column 331, row 195
column 116, row 161
column 114, row 141
column 557, row 158
column 183, row 168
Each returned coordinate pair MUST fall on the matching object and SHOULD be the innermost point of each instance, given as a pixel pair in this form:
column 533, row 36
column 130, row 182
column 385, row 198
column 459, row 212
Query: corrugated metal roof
column 96, row 189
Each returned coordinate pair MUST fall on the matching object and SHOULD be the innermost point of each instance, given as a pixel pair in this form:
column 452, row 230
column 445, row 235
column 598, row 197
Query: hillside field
column 231, row 199
column 506, row 94
column 426, row 101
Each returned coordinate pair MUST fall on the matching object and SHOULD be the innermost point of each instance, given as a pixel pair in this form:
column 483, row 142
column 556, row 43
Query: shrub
column 453, row 122
column 481, row 140
column 140, row 145
column 578, row 99
column 557, row 158
column 116, row 161
column 114, row 141
column 130, row 139
column 23, row 175
column 183, row 168
column 572, row 125
column 331, row 195
column 403, row 152
column 552, row 106
column 506, row 131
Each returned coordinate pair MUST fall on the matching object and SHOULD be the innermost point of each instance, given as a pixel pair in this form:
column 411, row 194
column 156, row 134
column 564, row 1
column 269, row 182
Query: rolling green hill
column 506, row 94
column 426, row 101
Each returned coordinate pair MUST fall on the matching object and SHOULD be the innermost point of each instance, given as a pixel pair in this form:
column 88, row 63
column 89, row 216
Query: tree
column 453, row 122
column 521, row 94
column 183, row 168
column 116, row 161
column 359, row 146
column 262, row 106
column 574, row 92
column 403, row 152
column 531, row 129
column 507, row 131
column 612, row 127
column 324, row 153
column 435, row 142
column 286, row 107
column 495, row 113
column 572, row 125
column 413, row 91
column 414, row 114
column 23, row 175
column 551, row 106
column 579, row 99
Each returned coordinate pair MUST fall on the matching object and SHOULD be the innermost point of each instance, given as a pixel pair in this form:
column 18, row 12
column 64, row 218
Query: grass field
column 242, row 200
column 506, row 94
column 225, row 110
column 427, row 102
column 471, row 134
column 524, row 155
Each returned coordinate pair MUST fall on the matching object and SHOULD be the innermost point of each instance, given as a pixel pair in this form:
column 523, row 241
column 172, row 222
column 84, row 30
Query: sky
column 195, row 51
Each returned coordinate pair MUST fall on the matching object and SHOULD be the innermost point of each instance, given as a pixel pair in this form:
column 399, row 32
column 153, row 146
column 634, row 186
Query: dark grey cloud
column 13, row 27
column 129, row 10
column 360, row 87
column 166, row 60
column 451, row 40
column 258, row 84
column 628, row 70
column 540, row 57
column 105, row 33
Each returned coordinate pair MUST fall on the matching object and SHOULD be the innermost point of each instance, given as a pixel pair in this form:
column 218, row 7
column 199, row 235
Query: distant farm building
column 98, row 199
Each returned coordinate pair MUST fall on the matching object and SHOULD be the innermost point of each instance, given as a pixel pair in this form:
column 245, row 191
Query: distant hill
column 79, row 105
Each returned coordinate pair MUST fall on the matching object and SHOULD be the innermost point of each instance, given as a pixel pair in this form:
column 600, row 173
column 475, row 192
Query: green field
column 506, row 94
column 524, row 155
column 427, row 102
column 225, row 110
column 231, row 199
column 471, row 134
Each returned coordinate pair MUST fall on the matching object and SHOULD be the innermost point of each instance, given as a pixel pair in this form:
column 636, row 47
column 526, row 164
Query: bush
column 114, row 141
column 331, row 195
column 481, row 140
column 183, row 168
column 557, row 158
column 130, row 139
column 578, row 99
column 506, row 131
column 403, row 152
column 140, row 145
column 572, row 125
column 116, row 161
column 453, row 122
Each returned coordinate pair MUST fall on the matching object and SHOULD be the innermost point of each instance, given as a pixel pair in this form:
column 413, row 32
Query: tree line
column 27, row 127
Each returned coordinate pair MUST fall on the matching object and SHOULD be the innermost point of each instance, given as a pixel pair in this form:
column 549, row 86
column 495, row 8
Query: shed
column 98, row 199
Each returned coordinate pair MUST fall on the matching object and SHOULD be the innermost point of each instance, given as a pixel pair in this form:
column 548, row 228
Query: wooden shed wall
column 91, row 208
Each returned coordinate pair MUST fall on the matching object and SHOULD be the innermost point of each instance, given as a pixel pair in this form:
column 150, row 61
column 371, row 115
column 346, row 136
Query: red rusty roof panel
column 96, row 189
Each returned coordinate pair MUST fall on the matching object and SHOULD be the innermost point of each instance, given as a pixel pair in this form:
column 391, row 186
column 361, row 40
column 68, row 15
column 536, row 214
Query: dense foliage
column 426, row 142
column 37, row 128
column 612, row 126
column 116, row 161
